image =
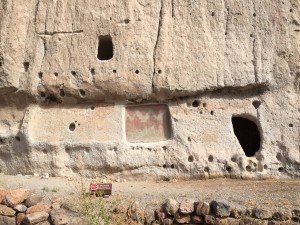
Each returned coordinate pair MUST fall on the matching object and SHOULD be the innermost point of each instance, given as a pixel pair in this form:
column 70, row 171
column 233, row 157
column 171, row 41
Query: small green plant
column 56, row 189
column 45, row 189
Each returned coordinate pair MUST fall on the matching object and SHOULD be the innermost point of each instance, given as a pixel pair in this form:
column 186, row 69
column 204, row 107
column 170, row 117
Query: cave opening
column 105, row 48
column 247, row 134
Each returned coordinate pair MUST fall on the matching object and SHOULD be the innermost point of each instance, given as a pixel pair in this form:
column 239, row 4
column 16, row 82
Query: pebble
column 45, row 176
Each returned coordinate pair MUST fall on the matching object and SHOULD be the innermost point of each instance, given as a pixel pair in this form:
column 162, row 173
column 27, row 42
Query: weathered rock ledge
column 156, row 88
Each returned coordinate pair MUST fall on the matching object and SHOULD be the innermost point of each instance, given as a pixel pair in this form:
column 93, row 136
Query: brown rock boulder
column 43, row 223
column 186, row 206
column 33, row 200
column 20, row 218
column 38, row 208
column 35, row 218
column 171, row 206
column 202, row 208
column 6, row 211
column 15, row 197
column 59, row 217
column 6, row 220
column 3, row 193
column 182, row 218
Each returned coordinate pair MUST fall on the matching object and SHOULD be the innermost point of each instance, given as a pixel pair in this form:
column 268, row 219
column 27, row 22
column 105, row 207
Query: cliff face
column 163, row 88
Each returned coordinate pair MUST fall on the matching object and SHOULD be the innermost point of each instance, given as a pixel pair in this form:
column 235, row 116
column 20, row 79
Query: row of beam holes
column 61, row 91
column 165, row 166
column 248, row 167
column 197, row 104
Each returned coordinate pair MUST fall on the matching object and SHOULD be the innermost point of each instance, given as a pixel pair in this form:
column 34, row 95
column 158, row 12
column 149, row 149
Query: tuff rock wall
column 155, row 88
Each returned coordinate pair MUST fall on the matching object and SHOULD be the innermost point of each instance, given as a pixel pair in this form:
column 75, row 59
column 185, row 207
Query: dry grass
column 96, row 210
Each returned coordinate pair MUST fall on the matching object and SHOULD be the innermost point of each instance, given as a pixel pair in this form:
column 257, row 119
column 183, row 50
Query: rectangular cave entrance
column 105, row 48
column 148, row 123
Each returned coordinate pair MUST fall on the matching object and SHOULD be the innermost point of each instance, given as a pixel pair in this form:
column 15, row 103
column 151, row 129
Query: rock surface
column 6, row 211
column 186, row 206
column 172, row 206
column 72, row 69
column 20, row 208
column 33, row 200
column 38, row 208
column 59, row 217
column 35, row 218
column 15, row 197
column 6, row 220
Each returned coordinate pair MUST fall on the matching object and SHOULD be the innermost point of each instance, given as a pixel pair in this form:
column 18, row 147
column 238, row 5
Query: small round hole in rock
column 228, row 168
column 73, row 73
column 56, row 74
column 265, row 166
column 26, row 66
column 248, row 168
column 206, row 169
column 92, row 107
column 291, row 10
column 172, row 166
column 62, row 93
column 159, row 71
column 291, row 125
column 82, row 93
column 18, row 138
column 210, row 158
column 201, row 112
column 191, row 158
column 189, row 139
column 126, row 21
column 72, row 126
column 40, row 74
column 196, row 103
column 254, row 14
column 233, row 159
column 137, row 71
column 93, row 71
column 251, row 35
column 164, row 166
column 281, row 169
column 164, row 148
column 204, row 104
column 114, row 71
column 213, row 14
column 212, row 113
column 279, row 157
column 256, row 104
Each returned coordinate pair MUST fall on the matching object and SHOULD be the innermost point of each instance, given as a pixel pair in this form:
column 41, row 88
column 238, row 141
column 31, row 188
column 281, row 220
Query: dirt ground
column 272, row 194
